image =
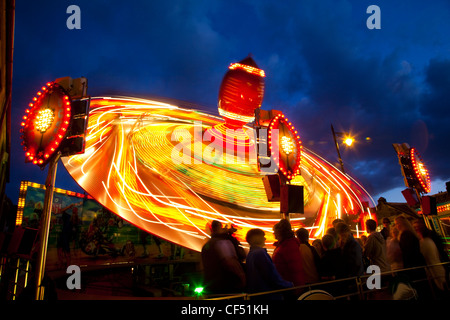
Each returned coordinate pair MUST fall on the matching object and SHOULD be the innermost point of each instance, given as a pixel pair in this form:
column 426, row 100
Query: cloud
column 322, row 64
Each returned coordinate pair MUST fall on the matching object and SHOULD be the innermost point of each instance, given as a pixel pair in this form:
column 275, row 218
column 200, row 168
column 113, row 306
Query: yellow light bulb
column 287, row 145
column 44, row 119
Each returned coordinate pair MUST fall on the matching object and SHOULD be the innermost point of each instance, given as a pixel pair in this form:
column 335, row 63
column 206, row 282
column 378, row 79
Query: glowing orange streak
column 133, row 139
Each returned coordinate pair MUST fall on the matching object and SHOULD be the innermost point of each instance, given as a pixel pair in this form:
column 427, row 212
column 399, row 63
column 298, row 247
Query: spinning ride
column 162, row 166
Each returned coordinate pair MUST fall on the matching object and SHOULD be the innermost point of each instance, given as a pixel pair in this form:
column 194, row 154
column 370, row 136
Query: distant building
column 391, row 210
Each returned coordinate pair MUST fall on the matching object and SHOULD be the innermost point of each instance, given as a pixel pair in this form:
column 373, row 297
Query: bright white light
column 349, row 141
column 287, row 145
column 44, row 119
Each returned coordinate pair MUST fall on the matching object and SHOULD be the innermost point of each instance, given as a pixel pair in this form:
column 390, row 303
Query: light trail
column 129, row 168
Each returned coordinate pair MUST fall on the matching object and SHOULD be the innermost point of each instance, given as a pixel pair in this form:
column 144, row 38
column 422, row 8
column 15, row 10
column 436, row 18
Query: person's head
column 283, row 230
column 317, row 243
column 394, row 232
column 332, row 231
column 421, row 228
column 302, row 235
column 216, row 227
column 386, row 222
column 371, row 225
column 343, row 232
column 403, row 224
column 328, row 242
column 336, row 221
column 363, row 238
column 256, row 237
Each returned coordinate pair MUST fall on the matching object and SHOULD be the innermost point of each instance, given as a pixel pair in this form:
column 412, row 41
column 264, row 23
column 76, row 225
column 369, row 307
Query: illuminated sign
column 289, row 146
column 420, row 171
column 45, row 123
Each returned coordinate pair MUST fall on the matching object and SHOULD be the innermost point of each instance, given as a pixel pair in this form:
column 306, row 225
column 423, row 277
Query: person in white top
column 430, row 252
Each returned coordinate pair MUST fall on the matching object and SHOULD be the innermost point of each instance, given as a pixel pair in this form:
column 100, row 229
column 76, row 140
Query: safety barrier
column 356, row 288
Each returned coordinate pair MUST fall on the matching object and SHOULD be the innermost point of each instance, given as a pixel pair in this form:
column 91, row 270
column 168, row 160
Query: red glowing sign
column 289, row 146
column 45, row 123
column 420, row 171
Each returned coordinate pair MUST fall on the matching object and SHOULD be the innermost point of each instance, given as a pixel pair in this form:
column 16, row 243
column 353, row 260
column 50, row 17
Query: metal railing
column 354, row 287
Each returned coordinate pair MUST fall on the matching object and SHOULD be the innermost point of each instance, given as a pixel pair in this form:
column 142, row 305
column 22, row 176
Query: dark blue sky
column 323, row 66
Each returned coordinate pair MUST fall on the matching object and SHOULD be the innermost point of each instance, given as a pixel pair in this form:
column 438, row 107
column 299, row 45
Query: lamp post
column 54, row 126
column 348, row 141
column 45, row 226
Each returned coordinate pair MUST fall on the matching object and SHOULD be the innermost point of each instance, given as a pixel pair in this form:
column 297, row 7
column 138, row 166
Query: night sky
column 323, row 66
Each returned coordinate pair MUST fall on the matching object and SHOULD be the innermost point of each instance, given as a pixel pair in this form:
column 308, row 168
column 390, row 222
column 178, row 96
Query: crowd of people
column 297, row 261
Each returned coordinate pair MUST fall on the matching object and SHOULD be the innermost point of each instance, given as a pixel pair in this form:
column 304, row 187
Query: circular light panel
column 45, row 123
column 288, row 149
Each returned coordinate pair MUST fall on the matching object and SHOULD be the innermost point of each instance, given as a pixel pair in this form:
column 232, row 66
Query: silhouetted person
column 375, row 247
column 386, row 231
column 222, row 270
column 286, row 255
column 351, row 251
column 310, row 257
column 412, row 257
column 260, row 270
column 430, row 252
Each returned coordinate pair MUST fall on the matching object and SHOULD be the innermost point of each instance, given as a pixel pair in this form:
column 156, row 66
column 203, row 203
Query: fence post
column 359, row 287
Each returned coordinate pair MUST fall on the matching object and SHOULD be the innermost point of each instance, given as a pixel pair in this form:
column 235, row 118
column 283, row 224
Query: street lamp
column 348, row 140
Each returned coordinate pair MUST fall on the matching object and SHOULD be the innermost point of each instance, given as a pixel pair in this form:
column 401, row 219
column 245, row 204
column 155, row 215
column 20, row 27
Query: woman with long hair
column 409, row 243
column 430, row 252
column 393, row 251
column 412, row 257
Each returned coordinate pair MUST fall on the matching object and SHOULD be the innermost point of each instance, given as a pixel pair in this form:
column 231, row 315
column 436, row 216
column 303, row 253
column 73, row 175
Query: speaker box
column 291, row 199
column 272, row 187
column 429, row 205
column 410, row 197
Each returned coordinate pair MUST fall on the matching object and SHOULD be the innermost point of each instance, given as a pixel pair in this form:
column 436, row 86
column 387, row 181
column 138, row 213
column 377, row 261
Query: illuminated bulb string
column 249, row 69
column 51, row 121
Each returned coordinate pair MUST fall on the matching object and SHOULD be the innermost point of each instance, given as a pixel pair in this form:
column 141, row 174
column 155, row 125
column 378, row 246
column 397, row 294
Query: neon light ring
column 45, row 123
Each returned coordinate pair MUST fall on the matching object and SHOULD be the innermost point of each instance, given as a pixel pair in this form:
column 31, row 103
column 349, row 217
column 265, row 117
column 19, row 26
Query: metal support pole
column 425, row 218
column 284, row 181
column 337, row 149
column 45, row 226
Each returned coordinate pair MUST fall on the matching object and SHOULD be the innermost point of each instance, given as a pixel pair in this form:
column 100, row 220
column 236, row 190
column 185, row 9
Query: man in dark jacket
column 351, row 251
column 261, row 272
column 222, row 270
